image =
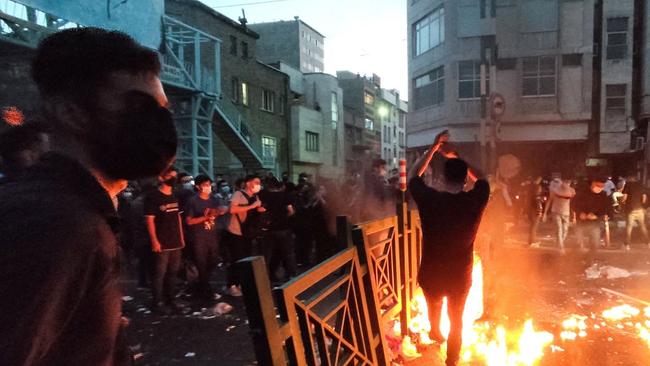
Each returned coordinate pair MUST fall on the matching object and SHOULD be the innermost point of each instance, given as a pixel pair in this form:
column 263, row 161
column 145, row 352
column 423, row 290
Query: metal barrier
column 335, row 313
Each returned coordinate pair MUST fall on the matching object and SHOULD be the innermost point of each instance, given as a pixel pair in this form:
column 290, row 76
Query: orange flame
column 13, row 116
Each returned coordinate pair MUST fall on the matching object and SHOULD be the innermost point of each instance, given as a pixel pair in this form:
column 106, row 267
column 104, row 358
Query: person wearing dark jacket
column 450, row 220
column 61, row 299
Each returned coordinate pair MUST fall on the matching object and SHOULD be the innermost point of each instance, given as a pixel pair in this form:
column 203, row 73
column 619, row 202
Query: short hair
column 77, row 62
column 455, row 171
column 202, row 178
column 250, row 177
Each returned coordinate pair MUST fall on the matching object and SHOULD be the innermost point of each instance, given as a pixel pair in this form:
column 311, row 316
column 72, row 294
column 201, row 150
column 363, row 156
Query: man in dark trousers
column 202, row 212
column 61, row 298
column 450, row 219
column 165, row 227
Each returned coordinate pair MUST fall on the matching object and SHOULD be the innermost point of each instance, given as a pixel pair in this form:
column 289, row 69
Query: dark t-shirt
column 449, row 226
column 634, row 191
column 276, row 205
column 196, row 207
column 166, row 211
column 587, row 201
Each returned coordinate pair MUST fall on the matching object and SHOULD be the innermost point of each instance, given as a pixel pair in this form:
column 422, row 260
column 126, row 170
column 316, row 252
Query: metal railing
column 323, row 318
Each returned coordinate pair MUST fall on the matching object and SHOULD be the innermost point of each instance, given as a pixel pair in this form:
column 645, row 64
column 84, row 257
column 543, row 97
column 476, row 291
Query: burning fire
column 493, row 344
column 482, row 341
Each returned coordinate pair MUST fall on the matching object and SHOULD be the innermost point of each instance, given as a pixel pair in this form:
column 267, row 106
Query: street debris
column 190, row 354
column 608, row 272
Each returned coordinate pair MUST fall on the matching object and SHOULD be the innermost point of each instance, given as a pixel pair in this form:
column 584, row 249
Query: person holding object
column 202, row 212
column 450, row 220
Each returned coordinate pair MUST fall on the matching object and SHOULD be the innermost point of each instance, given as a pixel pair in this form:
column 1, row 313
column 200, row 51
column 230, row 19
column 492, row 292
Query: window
column 233, row 45
column 429, row 31
column 369, row 124
column 335, row 108
column 269, row 150
column 616, row 38
column 539, row 76
column 430, row 88
column 244, row 50
column 235, row 90
column 268, row 100
column 311, row 141
column 244, row 93
column 469, row 79
column 368, row 98
column 386, row 134
column 615, row 97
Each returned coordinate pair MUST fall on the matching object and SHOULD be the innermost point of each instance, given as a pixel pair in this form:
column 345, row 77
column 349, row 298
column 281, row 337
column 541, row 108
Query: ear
column 68, row 116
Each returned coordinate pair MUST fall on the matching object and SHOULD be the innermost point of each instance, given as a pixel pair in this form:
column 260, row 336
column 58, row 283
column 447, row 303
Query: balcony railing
column 184, row 56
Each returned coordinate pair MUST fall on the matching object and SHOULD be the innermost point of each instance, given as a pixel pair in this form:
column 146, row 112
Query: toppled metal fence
column 335, row 313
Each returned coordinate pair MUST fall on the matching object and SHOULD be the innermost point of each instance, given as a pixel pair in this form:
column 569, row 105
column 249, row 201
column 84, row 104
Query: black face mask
column 136, row 142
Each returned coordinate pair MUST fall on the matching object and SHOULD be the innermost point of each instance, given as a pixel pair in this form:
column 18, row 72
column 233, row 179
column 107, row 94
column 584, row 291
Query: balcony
column 191, row 58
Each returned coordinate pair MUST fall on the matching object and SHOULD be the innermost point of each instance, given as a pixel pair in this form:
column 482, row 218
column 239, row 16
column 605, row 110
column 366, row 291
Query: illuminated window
column 269, row 150
column 244, row 93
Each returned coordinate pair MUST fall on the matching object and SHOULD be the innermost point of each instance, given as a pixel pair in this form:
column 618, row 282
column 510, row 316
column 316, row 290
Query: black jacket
column 60, row 302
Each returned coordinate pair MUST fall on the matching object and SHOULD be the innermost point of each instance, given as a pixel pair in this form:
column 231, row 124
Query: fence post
column 343, row 232
column 264, row 327
column 404, row 244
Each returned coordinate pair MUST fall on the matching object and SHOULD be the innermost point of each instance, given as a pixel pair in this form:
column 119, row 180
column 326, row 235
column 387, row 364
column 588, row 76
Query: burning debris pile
column 522, row 343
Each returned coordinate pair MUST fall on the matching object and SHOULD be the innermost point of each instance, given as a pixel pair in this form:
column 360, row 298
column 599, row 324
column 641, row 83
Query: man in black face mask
column 165, row 227
column 104, row 103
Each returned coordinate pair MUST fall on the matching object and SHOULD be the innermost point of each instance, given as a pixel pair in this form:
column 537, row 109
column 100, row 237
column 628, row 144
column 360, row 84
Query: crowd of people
column 599, row 212
column 77, row 198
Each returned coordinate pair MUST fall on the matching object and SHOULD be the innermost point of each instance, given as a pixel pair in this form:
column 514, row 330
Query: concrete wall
column 141, row 19
column 279, row 41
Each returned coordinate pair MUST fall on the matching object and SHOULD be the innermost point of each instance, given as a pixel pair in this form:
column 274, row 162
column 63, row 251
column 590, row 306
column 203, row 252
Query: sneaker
column 235, row 291
column 535, row 245
column 626, row 248
column 562, row 251
column 216, row 296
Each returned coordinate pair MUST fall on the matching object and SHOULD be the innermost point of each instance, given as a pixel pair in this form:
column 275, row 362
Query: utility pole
column 483, row 124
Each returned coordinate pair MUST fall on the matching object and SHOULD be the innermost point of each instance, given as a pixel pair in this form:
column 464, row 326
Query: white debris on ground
column 190, row 354
column 609, row 272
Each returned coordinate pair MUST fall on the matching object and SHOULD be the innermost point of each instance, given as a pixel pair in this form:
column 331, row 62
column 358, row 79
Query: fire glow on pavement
column 493, row 344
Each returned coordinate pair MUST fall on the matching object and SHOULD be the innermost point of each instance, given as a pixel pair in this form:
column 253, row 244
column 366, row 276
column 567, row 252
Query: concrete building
column 567, row 98
column 362, row 127
column 391, row 113
column 293, row 42
column 253, row 120
column 317, row 131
